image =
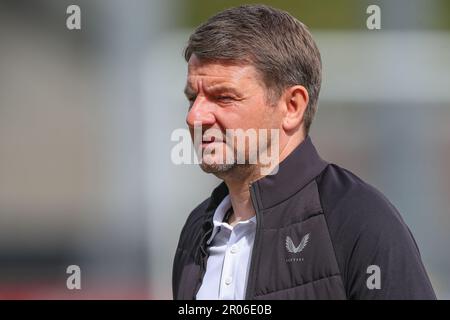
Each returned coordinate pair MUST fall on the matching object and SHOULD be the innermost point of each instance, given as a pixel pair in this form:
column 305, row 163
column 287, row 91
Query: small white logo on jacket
column 290, row 247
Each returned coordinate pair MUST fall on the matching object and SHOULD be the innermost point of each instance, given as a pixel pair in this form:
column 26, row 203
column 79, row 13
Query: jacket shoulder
column 344, row 193
column 366, row 229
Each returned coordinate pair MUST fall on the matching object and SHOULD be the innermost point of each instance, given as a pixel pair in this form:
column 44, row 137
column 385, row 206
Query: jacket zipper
column 249, row 292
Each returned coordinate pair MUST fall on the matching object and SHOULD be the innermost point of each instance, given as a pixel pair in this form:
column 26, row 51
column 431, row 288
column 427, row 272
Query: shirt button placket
column 227, row 286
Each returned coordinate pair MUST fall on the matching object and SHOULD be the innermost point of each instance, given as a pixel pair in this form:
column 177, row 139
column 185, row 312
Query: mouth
column 210, row 140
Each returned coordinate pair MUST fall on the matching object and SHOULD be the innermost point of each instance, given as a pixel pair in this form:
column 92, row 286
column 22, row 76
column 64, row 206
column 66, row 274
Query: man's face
column 226, row 96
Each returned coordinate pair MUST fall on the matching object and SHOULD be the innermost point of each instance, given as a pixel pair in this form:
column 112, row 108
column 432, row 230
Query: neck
column 238, row 183
column 239, row 180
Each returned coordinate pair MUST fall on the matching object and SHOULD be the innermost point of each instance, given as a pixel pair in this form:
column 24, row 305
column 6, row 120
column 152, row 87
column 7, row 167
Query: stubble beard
column 234, row 170
column 226, row 171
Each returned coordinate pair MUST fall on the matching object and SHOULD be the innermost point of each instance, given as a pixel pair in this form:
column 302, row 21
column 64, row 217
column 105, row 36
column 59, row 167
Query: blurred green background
column 332, row 15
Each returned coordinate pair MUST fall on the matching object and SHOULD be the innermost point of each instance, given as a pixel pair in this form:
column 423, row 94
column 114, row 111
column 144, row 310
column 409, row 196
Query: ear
column 296, row 100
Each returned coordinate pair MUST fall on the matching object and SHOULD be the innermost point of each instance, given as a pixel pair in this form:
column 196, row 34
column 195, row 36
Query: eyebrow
column 189, row 92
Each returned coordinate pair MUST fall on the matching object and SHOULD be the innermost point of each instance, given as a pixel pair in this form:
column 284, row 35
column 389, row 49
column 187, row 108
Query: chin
column 216, row 168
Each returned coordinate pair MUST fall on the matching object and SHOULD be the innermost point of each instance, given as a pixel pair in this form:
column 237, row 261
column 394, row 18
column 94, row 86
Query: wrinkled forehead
column 214, row 71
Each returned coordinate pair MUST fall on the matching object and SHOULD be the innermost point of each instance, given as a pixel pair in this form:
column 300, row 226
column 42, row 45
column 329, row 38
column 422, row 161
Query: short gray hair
column 278, row 45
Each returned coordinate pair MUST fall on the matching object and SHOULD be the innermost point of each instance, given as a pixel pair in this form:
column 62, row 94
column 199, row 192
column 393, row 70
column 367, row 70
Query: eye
column 225, row 98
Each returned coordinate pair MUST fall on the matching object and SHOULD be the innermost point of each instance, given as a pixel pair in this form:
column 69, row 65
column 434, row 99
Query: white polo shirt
column 230, row 250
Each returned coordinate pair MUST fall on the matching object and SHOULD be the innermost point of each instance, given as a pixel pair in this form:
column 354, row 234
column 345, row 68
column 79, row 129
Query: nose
column 201, row 112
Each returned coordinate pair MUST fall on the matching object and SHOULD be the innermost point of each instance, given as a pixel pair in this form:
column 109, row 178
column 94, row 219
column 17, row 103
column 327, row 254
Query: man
column 308, row 229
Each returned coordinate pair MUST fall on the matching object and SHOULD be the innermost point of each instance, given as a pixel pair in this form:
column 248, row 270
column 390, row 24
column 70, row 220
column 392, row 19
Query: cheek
column 230, row 118
column 255, row 115
column 275, row 118
column 267, row 117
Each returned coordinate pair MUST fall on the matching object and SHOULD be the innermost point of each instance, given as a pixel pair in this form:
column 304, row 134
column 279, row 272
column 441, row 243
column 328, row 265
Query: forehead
column 214, row 72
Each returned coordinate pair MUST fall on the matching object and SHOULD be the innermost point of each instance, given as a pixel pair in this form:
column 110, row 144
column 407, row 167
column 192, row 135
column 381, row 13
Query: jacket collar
column 299, row 168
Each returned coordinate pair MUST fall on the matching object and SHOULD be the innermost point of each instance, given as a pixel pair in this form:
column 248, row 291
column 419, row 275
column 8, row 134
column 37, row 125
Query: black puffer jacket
column 346, row 226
